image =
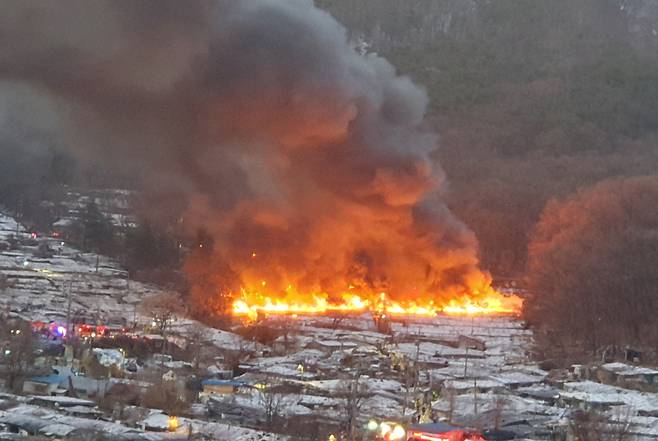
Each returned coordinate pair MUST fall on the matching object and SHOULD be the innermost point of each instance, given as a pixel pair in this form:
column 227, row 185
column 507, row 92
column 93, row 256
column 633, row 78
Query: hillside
column 532, row 102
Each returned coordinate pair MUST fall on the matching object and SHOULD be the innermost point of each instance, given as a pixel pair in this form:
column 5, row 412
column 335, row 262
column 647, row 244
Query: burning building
column 309, row 165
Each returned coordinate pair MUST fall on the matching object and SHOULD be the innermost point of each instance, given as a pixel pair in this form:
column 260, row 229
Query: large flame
column 252, row 303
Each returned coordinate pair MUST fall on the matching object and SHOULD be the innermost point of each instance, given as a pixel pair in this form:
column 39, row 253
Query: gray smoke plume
column 307, row 161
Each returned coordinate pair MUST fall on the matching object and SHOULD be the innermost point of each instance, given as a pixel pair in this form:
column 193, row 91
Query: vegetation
column 592, row 267
column 19, row 353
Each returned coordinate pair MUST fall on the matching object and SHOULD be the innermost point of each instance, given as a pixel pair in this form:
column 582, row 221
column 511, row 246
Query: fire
column 252, row 303
column 173, row 423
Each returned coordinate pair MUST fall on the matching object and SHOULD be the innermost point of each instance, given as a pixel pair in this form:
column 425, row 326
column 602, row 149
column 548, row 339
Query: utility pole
column 475, row 397
column 68, row 307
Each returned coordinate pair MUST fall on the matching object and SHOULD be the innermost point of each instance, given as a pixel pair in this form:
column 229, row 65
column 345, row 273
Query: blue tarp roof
column 49, row 379
column 215, row 382
column 434, row 428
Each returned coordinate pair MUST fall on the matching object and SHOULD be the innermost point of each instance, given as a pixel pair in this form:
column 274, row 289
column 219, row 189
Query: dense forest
column 533, row 100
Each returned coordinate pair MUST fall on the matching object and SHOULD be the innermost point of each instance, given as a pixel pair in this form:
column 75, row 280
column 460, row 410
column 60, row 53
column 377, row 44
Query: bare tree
column 270, row 399
column 354, row 393
column 594, row 426
column 451, row 396
column 4, row 283
column 233, row 359
column 166, row 395
column 19, row 353
column 500, row 405
column 199, row 349
column 592, row 268
column 410, row 376
column 118, row 398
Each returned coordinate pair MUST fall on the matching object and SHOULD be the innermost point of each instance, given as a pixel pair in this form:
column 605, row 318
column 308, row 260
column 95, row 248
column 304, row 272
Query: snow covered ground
column 55, row 422
column 39, row 286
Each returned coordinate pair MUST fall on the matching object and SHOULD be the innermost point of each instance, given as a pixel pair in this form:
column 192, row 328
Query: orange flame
column 252, row 303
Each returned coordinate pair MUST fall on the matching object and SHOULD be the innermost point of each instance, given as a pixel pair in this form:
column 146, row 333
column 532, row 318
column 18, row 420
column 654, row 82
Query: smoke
column 308, row 163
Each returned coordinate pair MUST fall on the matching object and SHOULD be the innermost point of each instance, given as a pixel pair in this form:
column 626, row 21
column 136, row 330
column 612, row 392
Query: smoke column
column 306, row 161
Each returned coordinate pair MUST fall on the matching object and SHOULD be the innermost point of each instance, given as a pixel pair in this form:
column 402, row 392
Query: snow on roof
column 381, row 407
column 108, row 357
column 56, row 429
column 221, row 431
column 511, row 378
column 289, row 404
column 465, row 385
column 541, row 392
column 82, row 410
column 215, row 382
column 217, row 337
column 624, row 370
column 317, row 400
column 64, row 222
column 33, row 418
column 336, row 344
column 371, row 384
column 433, row 350
column 63, row 401
column 286, row 371
column 596, row 393
column 490, row 401
column 156, row 420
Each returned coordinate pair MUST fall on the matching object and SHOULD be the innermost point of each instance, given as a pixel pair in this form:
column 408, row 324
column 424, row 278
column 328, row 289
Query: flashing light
column 61, row 331
column 391, row 432
column 385, row 429
column 427, row 437
column 397, row 433
column 372, row 425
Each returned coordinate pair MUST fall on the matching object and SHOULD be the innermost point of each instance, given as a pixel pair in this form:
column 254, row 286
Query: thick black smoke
column 308, row 162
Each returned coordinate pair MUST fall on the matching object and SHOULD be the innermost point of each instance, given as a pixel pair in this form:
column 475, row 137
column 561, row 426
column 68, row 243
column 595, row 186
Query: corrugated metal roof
column 215, row 382
column 48, row 379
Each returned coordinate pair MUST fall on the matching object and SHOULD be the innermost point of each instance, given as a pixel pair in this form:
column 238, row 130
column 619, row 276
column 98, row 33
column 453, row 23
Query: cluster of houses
column 321, row 377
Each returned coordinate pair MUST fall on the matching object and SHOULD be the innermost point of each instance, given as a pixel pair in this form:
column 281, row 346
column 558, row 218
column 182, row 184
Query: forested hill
column 533, row 99
column 388, row 24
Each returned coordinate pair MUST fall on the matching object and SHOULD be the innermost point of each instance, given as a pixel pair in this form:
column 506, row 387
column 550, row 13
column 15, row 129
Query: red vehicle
column 441, row 432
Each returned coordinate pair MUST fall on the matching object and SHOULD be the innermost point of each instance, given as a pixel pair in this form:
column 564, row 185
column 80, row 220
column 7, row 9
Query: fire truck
column 441, row 432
